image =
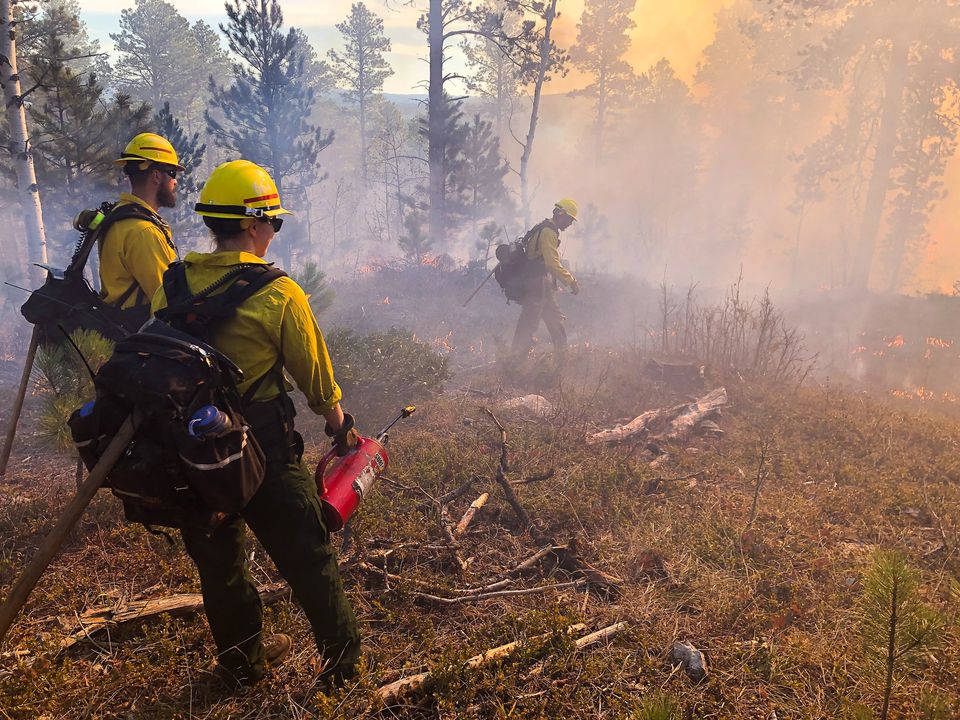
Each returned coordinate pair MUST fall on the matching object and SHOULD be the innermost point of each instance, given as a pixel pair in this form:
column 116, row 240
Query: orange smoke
column 679, row 31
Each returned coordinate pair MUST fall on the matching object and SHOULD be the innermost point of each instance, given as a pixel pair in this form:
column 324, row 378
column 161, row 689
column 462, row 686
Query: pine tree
column 448, row 130
column 444, row 21
column 190, row 151
column 495, row 71
column 478, row 175
column 361, row 68
column 601, row 44
column 896, row 625
column 893, row 136
column 75, row 127
column 264, row 116
column 159, row 58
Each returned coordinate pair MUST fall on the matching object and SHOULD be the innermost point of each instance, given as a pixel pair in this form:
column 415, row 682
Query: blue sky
column 315, row 18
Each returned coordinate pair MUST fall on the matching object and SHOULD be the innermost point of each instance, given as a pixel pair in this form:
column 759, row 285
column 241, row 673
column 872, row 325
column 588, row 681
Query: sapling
column 67, row 378
column 657, row 706
column 896, row 625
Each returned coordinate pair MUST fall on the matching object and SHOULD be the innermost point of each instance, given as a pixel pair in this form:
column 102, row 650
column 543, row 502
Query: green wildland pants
column 285, row 516
column 540, row 303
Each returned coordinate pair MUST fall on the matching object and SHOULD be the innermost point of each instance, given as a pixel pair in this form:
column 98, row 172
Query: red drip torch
column 343, row 481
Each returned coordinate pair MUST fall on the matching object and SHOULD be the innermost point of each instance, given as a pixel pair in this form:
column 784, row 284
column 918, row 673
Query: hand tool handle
column 51, row 544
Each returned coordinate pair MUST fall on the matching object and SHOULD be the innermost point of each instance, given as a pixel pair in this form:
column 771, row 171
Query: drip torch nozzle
column 404, row 413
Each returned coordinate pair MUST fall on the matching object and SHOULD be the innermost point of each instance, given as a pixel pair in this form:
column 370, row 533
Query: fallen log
column 97, row 619
column 425, row 681
column 694, row 413
column 640, row 424
column 668, row 424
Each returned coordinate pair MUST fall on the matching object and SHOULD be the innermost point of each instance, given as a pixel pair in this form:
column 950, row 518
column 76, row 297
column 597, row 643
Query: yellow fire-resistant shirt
column 275, row 321
column 546, row 244
column 134, row 251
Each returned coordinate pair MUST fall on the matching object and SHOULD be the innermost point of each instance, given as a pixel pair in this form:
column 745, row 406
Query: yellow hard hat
column 240, row 189
column 149, row 148
column 568, row 206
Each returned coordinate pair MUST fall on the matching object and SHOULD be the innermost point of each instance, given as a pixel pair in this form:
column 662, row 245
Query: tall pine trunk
column 549, row 15
column 20, row 151
column 873, row 208
column 435, row 138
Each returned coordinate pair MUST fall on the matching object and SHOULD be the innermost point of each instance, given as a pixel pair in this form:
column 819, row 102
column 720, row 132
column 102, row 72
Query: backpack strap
column 199, row 313
column 534, row 234
column 112, row 215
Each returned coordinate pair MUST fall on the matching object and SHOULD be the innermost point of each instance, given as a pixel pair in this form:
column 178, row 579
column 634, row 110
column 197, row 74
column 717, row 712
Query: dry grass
column 773, row 603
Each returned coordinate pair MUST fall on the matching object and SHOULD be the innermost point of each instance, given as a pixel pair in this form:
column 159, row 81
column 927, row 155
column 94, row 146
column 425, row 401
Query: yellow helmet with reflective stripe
column 567, row 206
column 149, row 148
column 240, row 189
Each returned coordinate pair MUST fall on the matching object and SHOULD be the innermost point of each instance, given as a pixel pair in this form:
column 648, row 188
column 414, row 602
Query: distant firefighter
column 544, row 270
column 138, row 246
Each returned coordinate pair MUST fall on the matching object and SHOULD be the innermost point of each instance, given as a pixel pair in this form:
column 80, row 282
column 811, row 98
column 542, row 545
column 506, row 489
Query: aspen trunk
column 545, row 63
column 435, row 140
column 20, row 151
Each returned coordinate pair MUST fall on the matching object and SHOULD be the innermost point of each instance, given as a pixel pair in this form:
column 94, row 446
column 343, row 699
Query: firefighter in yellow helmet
column 542, row 244
column 272, row 331
column 137, row 245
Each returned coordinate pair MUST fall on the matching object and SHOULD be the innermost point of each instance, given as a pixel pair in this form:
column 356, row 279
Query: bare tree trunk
column 549, row 15
column 894, row 84
column 20, row 142
column 435, row 140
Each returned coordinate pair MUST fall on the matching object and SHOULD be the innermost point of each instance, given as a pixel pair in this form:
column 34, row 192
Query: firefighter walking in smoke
column 541, row 245
column 273, row 329
column 136, row 249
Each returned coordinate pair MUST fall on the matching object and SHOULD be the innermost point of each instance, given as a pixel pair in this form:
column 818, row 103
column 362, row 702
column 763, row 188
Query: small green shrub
column 382, row 371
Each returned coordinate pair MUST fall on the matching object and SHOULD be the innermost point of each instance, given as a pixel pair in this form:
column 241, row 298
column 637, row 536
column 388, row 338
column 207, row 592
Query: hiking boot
column 276, row 647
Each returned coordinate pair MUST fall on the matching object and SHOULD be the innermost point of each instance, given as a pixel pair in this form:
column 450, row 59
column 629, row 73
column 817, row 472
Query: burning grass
column 773, row 603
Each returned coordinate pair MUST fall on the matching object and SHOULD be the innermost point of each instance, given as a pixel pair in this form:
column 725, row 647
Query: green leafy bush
column 382, row 371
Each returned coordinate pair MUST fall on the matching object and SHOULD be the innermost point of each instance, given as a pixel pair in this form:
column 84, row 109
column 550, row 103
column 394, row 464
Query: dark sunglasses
column 171, row 171
column 275, row 222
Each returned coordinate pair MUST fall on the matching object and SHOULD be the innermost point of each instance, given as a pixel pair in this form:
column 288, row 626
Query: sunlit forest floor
column 775, row 604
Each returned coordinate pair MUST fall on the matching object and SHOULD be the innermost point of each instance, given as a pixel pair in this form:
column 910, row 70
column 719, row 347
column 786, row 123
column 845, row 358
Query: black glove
column 346, row 437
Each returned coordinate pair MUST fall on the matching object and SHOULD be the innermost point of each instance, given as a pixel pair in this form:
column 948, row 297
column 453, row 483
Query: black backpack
column 66, row 302
column 166, row 373
column 516, row 272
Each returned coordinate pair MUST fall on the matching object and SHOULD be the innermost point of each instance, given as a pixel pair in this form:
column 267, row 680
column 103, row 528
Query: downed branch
column 567, row 556
column 424, row 682
column 535, row 478
column 674, row 423
column 471, row 512
column 97, row 619
column 594, row 638
column 475, row 597
column 449, row 497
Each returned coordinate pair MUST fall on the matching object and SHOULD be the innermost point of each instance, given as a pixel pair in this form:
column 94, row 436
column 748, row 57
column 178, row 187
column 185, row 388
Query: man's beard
column 166, row 198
